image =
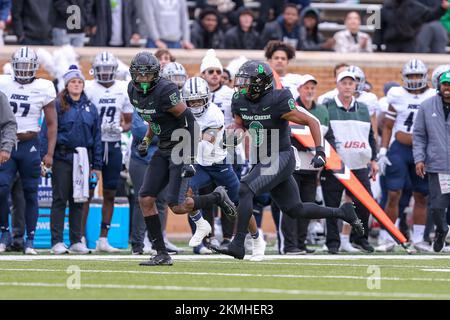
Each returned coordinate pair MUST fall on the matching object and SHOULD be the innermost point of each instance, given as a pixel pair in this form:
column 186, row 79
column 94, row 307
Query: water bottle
column 93, row 180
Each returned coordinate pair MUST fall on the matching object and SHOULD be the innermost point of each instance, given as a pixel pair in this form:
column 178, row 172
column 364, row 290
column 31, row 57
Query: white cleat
column 258, row 249
column 104, row 246
column 79, row 248
column 2, row 247
column 387, row 246
column 446, row 249
column 30, row 251
column 59, row 248
column 203, row 228
column 83, row 240
column 347, row 247
column 423, row 247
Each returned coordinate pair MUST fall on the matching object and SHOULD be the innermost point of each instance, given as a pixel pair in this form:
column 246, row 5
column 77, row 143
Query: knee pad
column 294, row 211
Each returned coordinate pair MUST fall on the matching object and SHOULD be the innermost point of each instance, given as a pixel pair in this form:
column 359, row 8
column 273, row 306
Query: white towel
column 80, row 175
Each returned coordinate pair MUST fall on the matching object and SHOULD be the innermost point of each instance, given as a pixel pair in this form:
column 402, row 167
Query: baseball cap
column 345, row 74
column 445, row 77
column 305, row 78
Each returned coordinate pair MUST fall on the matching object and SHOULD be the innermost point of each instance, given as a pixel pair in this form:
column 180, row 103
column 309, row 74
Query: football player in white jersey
column 175, row 72
column 211, row 166
column 395, row 156
column 28, row 97
column 111, row 99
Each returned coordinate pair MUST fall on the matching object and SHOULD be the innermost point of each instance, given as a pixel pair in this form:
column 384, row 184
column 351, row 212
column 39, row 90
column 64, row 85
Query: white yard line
column 397, row 295
column 222, row 274
column 223, row 257
column 436, row 270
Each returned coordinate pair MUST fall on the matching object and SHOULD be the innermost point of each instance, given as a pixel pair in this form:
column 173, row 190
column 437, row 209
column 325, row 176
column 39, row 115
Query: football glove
column 383, row 161
column 188, row 171
column 319, row 159
column 142, row 148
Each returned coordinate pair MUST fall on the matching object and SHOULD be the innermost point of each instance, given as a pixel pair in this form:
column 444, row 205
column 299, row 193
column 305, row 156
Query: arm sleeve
column 5, row 7
column 96, row 134
column 373, row 144
column 16, row 13
column 8, row 125
column 419, row 137
column 170, row 96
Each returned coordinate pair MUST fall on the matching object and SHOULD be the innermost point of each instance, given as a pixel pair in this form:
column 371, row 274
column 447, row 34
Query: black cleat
column 439, row 241
column 161, row 259
column 225, row 203
column 364, row 245
column 237, row 252
column 349, row 216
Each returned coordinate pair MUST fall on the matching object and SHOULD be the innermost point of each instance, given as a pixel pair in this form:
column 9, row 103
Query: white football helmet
column 196, row 95
column 105, row 67
column 360, row 77
column 175, row 72
column 25, row 65
column 412, row 67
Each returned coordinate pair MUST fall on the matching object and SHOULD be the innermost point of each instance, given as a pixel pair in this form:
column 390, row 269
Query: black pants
column 294, row 231
column 332, row 195
column 63, row 192
column 438, row 203
column 18, row 209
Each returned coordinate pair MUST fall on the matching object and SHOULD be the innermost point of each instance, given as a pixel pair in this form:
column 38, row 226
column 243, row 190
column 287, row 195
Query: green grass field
column 316, row 276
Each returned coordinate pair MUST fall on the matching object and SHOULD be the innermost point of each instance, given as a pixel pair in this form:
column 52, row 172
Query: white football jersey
column 110, row 102
column 370, row 100
column 406, row 105
column 27, row 100
column 222, row 98
column 329, row 95
column 290, row 81
column 209, row 153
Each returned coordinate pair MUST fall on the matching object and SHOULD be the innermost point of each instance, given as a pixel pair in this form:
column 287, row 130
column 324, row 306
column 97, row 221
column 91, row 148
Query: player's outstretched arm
column 51, row 120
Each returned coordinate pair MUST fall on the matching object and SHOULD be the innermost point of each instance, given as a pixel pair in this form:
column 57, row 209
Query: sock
column 154, row 233
column 197, row 216
column 345, row 239
column 418, row 233
column 206, row 201
column 313, row 211
column 255, row 235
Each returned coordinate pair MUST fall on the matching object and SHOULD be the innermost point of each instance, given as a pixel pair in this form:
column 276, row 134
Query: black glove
column 188, row 171
column 142, row 148
column 319, row 159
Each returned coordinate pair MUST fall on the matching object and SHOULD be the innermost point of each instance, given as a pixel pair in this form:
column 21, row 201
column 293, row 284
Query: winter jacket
column 431, row 136
column 77, row 127
column 102, row 19
column 275, row 30
column 31, row 19
column 236, row 38
column 310, row 41
column 60, row 15
column 202, row 39
column 8, row 125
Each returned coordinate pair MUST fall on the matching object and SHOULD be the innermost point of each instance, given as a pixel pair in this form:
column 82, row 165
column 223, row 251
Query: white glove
column 111, row 128
column 383, row 161
column 115, row 129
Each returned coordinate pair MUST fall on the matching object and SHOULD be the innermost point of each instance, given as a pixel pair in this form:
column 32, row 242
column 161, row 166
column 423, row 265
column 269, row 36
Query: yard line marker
column 436, row 270
column 404, row 295
column 221, row 274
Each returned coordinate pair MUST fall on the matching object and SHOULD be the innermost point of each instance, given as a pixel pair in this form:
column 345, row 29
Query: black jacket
column 401, row 20
column 236, row 38
column 310, row 41
column 60, row 15
column 202, row 39
column 102, row 18
column 31, row 19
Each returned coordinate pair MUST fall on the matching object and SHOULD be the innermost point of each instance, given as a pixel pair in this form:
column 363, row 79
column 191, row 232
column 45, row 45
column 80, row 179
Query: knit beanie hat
column 210, row 61
column 72, row 73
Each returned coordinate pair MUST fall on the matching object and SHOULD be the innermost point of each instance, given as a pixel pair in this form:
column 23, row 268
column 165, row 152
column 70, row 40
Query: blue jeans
column 61, row 38
column 170, row 44
column 221, row 175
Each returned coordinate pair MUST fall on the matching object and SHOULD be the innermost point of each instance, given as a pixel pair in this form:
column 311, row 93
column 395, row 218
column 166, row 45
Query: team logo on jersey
column 20, row 97
column 174, row 98
column 291, row 104
column 257, row 117
column 256, row 132
column 155, row 128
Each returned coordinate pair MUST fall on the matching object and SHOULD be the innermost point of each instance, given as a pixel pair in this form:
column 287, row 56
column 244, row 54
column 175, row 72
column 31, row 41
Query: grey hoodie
column 431, row 136
column 8, row 125
column 165, row 19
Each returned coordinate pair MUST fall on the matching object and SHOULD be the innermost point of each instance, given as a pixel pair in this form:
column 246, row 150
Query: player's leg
column 29, row 167
column 307, row 184
column 111, row 175
column 155, row 180
column 7, row 174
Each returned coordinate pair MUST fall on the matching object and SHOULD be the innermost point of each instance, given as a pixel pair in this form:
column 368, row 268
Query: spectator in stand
column 31, row 21
column 164, row 56
column 243, row 36
column 269, row 10
column 351, row 39
column 166, row 24
column 432, row 37
column 5, row 7
column 206, row 32
column 401, row 21
column 310, row 37
column 226, row 78
column 63, row 31
column 225, row 8
column 115, row 23
column 285, row 28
